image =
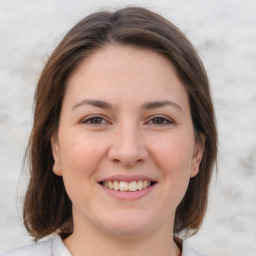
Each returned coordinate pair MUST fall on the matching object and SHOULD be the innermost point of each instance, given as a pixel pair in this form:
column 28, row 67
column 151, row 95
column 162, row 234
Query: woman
column 123, row 143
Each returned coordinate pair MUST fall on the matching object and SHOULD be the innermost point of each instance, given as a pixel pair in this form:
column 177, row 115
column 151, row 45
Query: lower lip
column 128, row 195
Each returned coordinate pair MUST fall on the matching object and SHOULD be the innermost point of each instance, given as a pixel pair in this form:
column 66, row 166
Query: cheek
column 80, row 155
column 175, row 152
column 174, row 157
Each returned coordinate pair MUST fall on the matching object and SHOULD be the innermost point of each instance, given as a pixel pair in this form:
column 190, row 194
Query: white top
column 56, row 247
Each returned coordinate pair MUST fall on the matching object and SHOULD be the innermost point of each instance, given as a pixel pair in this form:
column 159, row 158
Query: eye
column 94, row 120
column 160, row 120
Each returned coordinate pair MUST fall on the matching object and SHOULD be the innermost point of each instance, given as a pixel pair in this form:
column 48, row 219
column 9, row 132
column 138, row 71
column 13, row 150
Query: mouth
column 125, row 186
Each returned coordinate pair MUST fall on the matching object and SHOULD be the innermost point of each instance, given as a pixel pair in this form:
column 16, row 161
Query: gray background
column 224, row 32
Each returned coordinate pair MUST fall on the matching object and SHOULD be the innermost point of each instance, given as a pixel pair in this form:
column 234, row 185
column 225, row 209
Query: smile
column 127, row 186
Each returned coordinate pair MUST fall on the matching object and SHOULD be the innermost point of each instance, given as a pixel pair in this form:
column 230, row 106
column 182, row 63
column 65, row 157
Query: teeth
column 145, row 184
column 127, row 186
column 110, row 184
column 116, row 185
column 105, row 184
column 124, row 186
column 133, row 186
column 140, row 185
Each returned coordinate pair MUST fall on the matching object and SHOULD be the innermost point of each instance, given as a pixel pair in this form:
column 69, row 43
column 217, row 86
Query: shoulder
column 37, row 249
column 53, row 246
column 188, row 251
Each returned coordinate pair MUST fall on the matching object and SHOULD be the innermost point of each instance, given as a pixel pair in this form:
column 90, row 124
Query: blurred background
column 224, row 33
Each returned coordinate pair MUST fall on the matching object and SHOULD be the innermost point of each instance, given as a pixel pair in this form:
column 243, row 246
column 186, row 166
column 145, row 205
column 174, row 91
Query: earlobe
column 56, row 155
column 197, row 155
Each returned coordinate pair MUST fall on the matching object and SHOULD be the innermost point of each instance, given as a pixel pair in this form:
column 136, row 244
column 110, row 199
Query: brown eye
column 96, row 120
column 158, row 120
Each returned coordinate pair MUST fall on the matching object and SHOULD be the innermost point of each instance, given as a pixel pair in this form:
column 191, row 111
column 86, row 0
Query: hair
column 47, row 207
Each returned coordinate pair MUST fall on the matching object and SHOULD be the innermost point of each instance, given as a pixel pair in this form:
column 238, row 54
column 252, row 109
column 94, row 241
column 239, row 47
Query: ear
column 197, row 155
column 56, row 155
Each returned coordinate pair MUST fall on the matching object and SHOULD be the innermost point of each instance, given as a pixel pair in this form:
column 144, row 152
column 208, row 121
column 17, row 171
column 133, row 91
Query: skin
column 126, row 138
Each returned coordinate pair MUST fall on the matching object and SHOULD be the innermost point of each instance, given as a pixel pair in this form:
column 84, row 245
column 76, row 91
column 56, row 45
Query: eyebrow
column 146, row 105
column 160, row 104
column 95, row 103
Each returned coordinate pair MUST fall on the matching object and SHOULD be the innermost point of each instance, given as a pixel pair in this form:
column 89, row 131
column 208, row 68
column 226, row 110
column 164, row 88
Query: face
column 125, row 144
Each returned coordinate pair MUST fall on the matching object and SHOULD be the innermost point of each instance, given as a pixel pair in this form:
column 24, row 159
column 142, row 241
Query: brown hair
column 47, row 207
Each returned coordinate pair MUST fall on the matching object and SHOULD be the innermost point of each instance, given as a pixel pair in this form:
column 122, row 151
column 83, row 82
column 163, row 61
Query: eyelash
column 102, row 121
column 89, row 120
column 165, row 120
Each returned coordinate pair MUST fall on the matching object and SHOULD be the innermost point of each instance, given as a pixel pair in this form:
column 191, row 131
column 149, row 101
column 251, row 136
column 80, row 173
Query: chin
column 127, row 232
column 129, row 225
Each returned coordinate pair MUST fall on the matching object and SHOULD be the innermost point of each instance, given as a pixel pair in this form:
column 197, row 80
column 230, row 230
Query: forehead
column 124, row 58
column 125, row 71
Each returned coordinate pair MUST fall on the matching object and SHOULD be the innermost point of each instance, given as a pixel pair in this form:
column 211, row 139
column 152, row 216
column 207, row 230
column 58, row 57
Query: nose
column 127, row 147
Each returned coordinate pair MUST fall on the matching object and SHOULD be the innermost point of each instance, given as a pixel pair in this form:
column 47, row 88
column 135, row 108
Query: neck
column 90, row 241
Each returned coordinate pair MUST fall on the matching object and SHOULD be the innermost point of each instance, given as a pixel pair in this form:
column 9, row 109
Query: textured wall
column 224, row 32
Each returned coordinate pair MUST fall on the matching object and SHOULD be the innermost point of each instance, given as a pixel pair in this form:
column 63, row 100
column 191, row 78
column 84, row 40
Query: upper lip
column 128, row 178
